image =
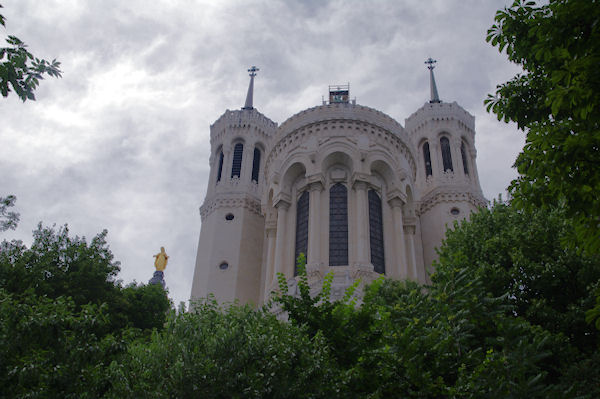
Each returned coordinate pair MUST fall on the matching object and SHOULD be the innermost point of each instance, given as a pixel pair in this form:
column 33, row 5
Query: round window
column 229, row 216
column 455, row 211
column 224, row 266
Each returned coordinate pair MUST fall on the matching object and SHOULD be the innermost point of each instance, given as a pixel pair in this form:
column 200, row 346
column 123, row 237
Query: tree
column 556, row 100
column 8, row 219
column 63, row 317
column 232, row 352
column 523, row 258
column 452, row 339
column 21, row 70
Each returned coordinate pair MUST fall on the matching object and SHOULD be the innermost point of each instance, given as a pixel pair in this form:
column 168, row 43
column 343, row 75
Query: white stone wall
column 363, row 149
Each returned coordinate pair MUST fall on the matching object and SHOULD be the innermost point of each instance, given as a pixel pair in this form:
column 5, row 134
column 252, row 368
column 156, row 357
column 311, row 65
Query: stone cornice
column 209, row 206
column 437, row 196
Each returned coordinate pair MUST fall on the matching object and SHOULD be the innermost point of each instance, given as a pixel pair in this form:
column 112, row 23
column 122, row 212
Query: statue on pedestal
column 160, row 263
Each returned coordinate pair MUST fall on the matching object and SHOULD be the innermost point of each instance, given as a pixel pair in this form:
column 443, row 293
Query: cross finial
column 430, row 61
column 249, row 97
column 435, row 98
column 253, row 71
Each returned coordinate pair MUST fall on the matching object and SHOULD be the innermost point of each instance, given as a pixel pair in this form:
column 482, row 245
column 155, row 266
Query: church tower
column 230, row 249
column 443, row 135
column 348, row 186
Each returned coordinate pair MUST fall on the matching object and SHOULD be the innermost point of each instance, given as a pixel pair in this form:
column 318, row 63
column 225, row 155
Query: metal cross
column 430, row 61
column 253, row 71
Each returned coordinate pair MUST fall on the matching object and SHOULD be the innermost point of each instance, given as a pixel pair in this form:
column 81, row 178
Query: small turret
column 444, row 136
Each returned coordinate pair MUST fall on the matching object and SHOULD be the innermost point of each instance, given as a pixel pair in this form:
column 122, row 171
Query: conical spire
column 250, row 94
column 435, row 98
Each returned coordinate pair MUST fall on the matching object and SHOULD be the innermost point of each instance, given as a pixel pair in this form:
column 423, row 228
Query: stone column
column 362, row 223
column 247, row 159
column 437, row 166
column 459, row 170
column 411, row 257
column 401, row 271
column 271, row 231
column 280, row 252
column 227, row 159
column 314, row 224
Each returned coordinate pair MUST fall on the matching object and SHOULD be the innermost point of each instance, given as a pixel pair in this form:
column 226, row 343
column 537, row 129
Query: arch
column 236, row 163
column 338, row 225
column 446, row 154
column 302, row 206
column 376, row 232
column 291, row 174
column 383, row 169
column 337, row 157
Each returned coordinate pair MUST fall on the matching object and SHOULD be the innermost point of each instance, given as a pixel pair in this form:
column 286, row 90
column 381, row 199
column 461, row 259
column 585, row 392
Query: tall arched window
column 236, row 166
column 446, row 155
column 376, row 232
column 220, row 170
column 338, row 225
column 255, row 165
column 463, row 153
column 301, row 227
column 427, row 158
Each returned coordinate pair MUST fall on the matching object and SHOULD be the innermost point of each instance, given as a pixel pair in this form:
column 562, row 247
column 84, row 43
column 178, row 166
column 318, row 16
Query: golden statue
column 161, row 260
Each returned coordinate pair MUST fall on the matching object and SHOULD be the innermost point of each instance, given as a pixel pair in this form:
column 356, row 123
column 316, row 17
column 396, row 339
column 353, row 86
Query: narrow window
column 220, row 170
column 376, row 232
column 463, row 153
column 301, row 227
column 446, row 156
column 427, row 157
column 338, row 225
column 256, row 165
column 236, row 167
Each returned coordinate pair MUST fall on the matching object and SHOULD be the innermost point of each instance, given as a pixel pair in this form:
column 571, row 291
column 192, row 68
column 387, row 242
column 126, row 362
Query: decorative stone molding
column 282, row 200
column 437, row 197
column 369, row 125
column 217, row 202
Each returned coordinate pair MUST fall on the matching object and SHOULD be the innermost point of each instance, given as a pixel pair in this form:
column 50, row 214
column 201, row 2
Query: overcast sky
column 121, row 142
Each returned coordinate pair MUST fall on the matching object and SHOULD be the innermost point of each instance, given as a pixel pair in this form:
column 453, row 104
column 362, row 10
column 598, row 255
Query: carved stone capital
column 360, row 181
column 315, row 182
column 282, row 201
column 394, row 196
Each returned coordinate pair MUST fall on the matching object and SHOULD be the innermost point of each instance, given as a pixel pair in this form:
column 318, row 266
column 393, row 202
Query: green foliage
column 556, row 100
column 49, row 348
column 344, row 328
column 59, row 265
column 525, row 257
column 21, row 70
column 214, row 352
column 8, row 219
column 63, row 318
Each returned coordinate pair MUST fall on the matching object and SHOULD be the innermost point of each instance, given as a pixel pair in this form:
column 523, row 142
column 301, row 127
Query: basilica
column 347, row 185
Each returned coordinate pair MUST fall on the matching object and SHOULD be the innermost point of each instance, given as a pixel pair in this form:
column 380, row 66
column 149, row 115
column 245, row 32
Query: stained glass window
column 338, row 225
column 255, row 165
column 220, row 170
column 427, row 157
column 236, row 167
column 301, row 227
column 446, row 155
column 376, row 232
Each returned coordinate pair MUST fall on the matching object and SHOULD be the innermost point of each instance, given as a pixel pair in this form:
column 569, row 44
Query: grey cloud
column 135, row 160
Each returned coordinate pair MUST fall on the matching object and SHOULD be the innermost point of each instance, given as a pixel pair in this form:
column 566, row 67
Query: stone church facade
column 345, row 184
